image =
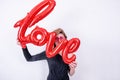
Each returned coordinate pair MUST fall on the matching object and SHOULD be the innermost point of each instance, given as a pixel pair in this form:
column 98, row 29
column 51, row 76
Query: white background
column 95, row 22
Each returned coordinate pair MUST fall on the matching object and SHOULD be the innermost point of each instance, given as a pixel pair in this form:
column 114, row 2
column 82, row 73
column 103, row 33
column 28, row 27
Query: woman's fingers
column 18, row 42
column 73, row 65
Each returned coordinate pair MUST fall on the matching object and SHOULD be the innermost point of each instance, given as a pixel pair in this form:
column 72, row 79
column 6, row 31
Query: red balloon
column 39, row 12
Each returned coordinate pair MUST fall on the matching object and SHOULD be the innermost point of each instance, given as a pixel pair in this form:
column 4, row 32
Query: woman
column 58, row 70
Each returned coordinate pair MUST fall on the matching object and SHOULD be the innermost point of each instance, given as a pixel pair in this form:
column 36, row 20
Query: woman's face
column 59, row 38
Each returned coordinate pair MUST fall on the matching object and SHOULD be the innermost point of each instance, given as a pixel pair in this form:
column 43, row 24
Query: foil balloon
column 38, row 13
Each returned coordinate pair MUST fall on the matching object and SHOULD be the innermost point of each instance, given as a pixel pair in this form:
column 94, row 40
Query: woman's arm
column 72, row 67
column 29, row 57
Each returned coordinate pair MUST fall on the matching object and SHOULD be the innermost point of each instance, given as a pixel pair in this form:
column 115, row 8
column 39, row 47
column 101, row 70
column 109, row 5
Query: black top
column 58, row 70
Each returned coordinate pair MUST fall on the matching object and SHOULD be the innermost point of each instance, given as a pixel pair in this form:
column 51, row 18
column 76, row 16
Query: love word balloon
column 39, row 12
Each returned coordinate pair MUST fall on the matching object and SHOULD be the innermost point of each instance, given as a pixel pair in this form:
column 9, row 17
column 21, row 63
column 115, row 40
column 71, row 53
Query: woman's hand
column 23, row 45
column 72, row 66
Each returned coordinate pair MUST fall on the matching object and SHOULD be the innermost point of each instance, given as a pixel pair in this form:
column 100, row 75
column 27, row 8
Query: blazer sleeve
column 29, row 57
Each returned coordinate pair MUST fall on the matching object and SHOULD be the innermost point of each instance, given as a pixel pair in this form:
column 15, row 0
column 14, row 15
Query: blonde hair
column 59, row 30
